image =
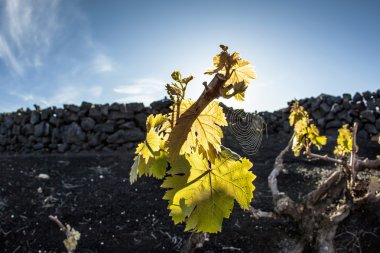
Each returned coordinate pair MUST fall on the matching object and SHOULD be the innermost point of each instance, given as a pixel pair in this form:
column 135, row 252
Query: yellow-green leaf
column 158, row 164
column 204, row 196
column 238, row 91
column 300, row 127
column 298, row 144
column 134, row 170
column 234, row 69
column 149, row 146
column 316, row 139
column 305, row 134
column 196, row 128
column 297, row 113
column 242, row 71
column 155, row 121
column 320, row 141
column 344, row 141
column 151, row 159
column 155, row 166
column 179, row 172
column 240, row 96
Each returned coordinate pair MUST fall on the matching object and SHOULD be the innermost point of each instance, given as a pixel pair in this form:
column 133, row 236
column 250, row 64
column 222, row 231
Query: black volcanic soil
column 92, row 193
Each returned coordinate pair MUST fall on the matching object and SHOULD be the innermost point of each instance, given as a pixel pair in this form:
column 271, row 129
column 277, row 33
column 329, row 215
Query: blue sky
column 55, row 51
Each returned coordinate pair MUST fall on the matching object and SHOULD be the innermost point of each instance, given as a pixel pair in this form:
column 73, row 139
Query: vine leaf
column 297, row 145
column 155, row 121
column 240, row 96
column 194, row 129
column 315, row 138
column 179, row 174
column 306, row 134
column 242, row 72
column 134, row 170
column 297, row 113
column 239, row 90
column 150, row 145
column 237, row 72
column 344, row 141
column 300, row 127
column 205, row 195
column 156, row 166
column 220, row 62
column 151, row 158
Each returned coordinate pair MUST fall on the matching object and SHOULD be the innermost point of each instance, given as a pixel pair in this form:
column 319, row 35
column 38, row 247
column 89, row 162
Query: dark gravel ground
column 91, row 192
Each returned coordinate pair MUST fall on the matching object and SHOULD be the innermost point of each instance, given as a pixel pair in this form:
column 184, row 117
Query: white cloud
column 26, row 30
column 140, row 86
column 144, row 90
column 102, row 64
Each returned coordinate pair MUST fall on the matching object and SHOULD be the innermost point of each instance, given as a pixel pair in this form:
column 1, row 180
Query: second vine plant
column 183, row 148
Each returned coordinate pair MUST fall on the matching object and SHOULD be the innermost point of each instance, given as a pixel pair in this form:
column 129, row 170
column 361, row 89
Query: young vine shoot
column 183, row 148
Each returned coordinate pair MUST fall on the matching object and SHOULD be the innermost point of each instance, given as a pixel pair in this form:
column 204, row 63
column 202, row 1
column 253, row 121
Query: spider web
column 247, row 128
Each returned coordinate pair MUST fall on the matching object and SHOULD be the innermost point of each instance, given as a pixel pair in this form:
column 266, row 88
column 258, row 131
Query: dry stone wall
column 91, row 127
column 331, row 112
column 76, row 128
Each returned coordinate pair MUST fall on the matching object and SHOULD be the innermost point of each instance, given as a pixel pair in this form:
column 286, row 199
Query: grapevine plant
column 183, row 148
column 320, row 211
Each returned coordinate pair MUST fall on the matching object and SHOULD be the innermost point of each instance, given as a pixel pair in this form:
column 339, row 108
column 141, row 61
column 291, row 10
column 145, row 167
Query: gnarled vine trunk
column 319, row 213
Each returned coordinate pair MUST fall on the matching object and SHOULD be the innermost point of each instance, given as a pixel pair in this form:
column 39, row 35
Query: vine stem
column 368, row 164
column 278, row 167
column 315, row 195
column 352, row 164
column 257, row 213
column 324, row 158
column 283, row 204
column 319, row 213
column 178, row 135
column 58, row 222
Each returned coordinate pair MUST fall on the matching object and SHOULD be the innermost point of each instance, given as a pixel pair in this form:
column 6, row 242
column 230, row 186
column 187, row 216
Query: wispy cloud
column 143, row 90
column 26, row 30
column 67, row 94
column 140, row 86
column 63, row 95
column 7, row 56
